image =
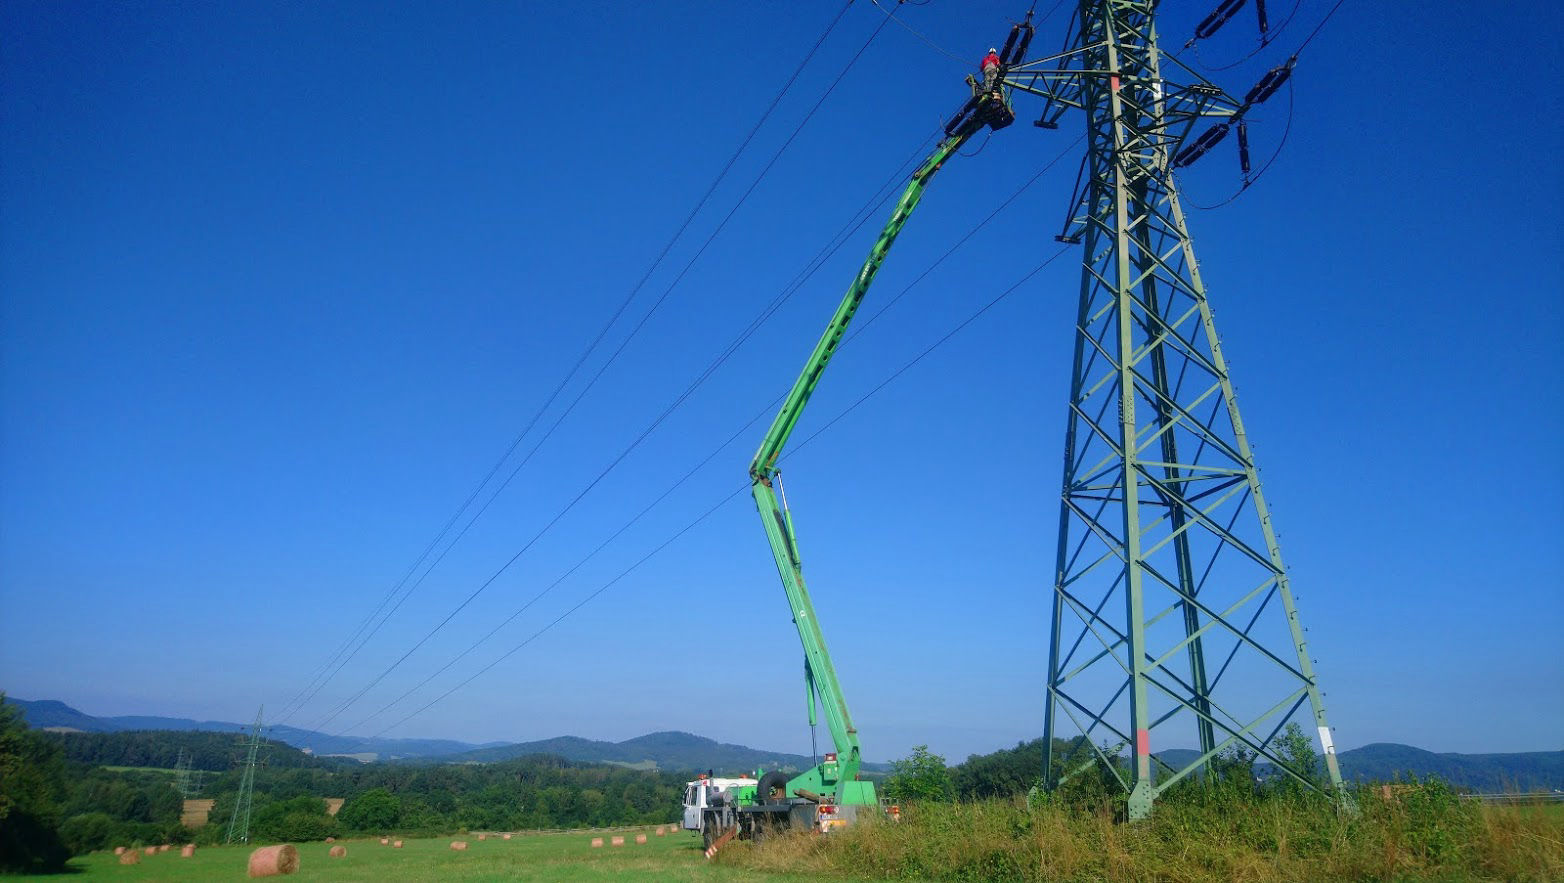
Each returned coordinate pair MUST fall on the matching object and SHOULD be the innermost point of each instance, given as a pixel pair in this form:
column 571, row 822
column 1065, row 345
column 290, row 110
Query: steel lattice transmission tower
column 1173, row 621
column 187, row 781
column 239, row 822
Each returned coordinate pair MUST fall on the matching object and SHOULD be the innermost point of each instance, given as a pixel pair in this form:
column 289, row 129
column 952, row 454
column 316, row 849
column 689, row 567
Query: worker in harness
column 990, row 69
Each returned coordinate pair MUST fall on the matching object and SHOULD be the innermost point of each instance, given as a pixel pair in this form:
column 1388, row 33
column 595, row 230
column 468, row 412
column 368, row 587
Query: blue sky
column 280, row 282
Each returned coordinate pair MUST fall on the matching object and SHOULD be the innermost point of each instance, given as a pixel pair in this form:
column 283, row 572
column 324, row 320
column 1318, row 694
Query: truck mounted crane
column 829, row 794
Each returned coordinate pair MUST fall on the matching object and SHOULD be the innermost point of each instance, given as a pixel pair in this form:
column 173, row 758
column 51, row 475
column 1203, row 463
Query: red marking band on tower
column 1143, row 742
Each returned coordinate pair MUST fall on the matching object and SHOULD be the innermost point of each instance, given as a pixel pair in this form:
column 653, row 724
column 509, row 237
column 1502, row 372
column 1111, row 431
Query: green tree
column 32, row 786
column 302, row 819
column 920, row 776
column 1296, row 750
column 376, row 810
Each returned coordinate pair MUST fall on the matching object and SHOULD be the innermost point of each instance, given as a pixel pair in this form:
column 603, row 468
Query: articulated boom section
column 837, row 778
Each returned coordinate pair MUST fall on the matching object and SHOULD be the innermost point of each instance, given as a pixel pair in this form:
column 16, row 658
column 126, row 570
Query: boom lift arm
column 838, row 775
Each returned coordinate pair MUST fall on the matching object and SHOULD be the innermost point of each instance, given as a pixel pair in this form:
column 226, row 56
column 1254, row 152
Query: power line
column 832, row 245
column 733, row 346
column 592, row 382
column 726, row 499
column 1287, row 130
column 1318, row 28
column 312, row 688
column 890, row 14
column 1255, row 178
column 1260, row 46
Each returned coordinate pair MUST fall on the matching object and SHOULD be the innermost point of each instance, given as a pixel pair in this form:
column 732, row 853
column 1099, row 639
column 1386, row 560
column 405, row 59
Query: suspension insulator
column 1010, row 41
column 1027, row 32
column 1272, row 81
column 1213, row 22
column 1207, row 140
column 1243, row 147
column 1265, row 24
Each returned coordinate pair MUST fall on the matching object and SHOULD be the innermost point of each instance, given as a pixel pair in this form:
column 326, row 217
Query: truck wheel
column 774, row 781
column 708, row 836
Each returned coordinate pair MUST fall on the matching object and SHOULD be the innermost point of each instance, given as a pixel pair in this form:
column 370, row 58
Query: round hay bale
column 385, row 841
column 640, row 838
column 150, row 850
column 270, row 861
column 119, row 850
column 506, row 836
column 338, row 851
column 331, row 840
column 187, row 850
column 597, row 843
column 458, row 844
column 396, row 844
column 130, row 857
column 164, row 848
column 617, row 841
column 661, row 832
column 483, row 837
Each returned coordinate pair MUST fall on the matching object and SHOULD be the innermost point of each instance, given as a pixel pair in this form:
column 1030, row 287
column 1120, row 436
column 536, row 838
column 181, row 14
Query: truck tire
column 776, row 780
column 708, row 836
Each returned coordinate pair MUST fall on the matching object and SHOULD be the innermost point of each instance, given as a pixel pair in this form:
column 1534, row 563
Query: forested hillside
column 160, row 748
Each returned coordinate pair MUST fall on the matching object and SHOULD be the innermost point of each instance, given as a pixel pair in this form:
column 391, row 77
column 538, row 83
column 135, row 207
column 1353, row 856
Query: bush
column 300, row 820
column 921, row 776
column 374, row 811
column 1418, row 832
column 90, row 831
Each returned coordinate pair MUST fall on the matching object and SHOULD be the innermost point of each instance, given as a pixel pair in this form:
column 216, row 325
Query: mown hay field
column 566, row 857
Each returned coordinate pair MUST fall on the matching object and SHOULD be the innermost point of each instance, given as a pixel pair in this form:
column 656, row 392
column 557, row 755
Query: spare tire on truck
column 774, row 781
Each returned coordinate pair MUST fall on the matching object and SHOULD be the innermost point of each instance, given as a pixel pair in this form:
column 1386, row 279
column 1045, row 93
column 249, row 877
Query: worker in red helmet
column 990, row 69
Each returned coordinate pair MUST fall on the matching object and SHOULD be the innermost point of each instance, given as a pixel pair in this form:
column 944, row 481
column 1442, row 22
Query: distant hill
column 160, row 749
column 664, row 751
column 1013, row 770
column 1383, row 761
column 54, row 715
column 1387, row 761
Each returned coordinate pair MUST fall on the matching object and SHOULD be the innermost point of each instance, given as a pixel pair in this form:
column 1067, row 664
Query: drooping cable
column 315, row 688
column 1261, row 45
column 1286, row 130
column 1253, row 179
column 728, row 498
column 770, row 309
column 1317, row 28
column 614, row 356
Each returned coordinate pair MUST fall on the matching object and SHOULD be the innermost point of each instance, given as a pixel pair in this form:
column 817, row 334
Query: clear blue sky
column 280, row 281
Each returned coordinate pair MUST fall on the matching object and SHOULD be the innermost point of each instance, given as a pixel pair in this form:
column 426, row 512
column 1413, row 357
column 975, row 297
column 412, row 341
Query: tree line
column 58, row 799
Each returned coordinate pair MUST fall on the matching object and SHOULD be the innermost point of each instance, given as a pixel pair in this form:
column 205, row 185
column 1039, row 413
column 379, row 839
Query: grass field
column 1423, row 834
column 1406, row 839
column 565, row 857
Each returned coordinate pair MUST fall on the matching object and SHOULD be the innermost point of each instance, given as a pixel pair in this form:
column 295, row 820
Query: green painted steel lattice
column 239, row 822
column 1173, row 618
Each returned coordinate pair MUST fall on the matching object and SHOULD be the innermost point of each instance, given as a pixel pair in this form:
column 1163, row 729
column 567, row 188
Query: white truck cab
column 707, row 791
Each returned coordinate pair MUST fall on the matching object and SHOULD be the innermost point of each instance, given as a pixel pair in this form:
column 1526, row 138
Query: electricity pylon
column 239, row 822
column 1172, row 613
column 186, row 780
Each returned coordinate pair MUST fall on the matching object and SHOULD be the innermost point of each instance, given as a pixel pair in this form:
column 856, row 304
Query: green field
column 541, row 857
